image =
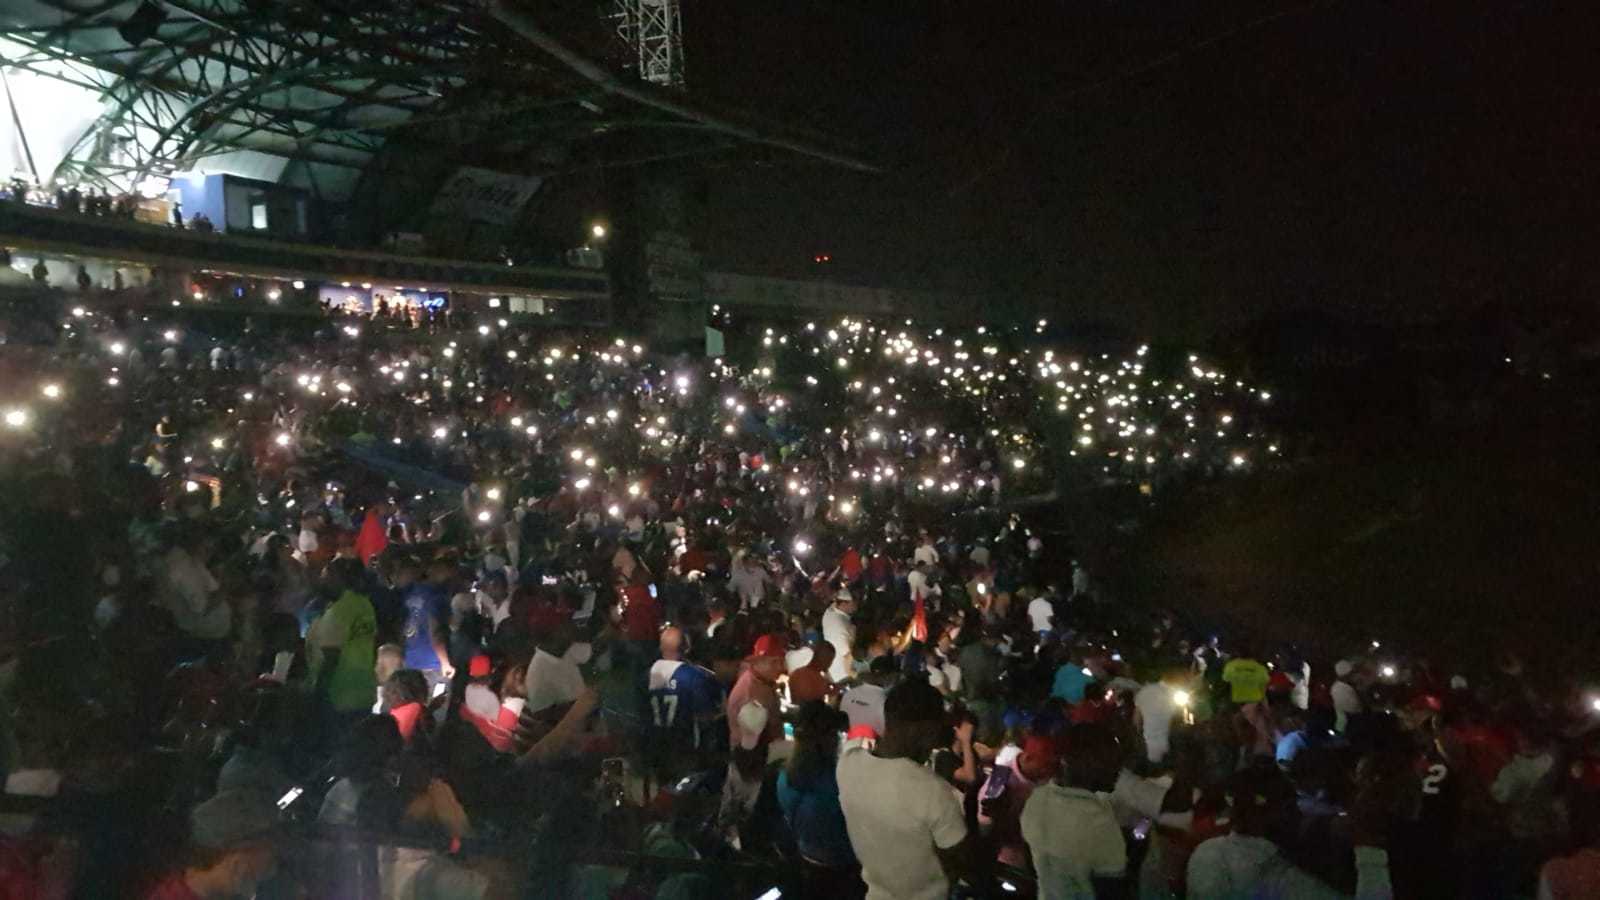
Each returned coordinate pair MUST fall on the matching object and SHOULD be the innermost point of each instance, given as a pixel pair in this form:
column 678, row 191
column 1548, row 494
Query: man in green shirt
column 342, row 643
column 1247, row 678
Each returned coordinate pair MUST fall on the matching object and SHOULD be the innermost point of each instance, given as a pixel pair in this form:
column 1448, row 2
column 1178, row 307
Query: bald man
column 684, row 698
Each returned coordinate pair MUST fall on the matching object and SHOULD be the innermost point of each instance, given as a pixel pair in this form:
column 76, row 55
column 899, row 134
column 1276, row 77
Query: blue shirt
column 1070, row 682
column 683, row 697
column 426, row 606
column 1289, row 746
column 815, row 818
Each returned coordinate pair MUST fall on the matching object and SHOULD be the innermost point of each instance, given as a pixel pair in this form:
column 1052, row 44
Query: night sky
column 1382, row 161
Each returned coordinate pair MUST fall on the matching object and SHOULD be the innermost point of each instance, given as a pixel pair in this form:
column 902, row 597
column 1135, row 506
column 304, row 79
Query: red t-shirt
column 173, row 888
column 692, row 559
column 1091, row 712
column 1572, row 877
column 641, row 614
column 1486, row 750
column 850, row 564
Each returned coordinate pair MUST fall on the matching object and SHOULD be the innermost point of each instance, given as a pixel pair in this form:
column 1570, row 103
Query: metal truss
column 323, row 83
column 651, row 32
column 297, row 80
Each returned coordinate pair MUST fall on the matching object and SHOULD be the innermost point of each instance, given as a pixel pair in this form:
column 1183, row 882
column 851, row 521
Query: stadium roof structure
column 307, row 92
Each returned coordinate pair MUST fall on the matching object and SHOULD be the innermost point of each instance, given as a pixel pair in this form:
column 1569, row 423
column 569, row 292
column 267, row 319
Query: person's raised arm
column 558, row 740
column 968, row 773
column 438, row 631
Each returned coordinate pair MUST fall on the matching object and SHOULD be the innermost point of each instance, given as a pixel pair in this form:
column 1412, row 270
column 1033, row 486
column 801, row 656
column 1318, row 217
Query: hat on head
column 768, row 646
column 1343, row 668
column 479, row 667
column 232, row 817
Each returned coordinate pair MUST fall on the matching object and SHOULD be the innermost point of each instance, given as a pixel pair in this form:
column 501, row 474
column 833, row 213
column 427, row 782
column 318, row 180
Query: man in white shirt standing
column 1154, row 707
column 749, row 581
column 863, row 704
column 191, row 592
column 980, row 555
column 1346, row 699
column 926, row 553
column 1069, row 824
column 1042, row 615
column 905, row 822
column 917, row 580
column 840, row 631
column 493, row 599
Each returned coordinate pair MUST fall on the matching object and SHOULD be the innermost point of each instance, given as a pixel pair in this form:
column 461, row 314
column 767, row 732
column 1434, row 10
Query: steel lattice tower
column 652, row 37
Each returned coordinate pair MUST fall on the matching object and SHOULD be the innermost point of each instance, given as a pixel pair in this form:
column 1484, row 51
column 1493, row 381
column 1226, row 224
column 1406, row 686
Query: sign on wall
column 481, row 195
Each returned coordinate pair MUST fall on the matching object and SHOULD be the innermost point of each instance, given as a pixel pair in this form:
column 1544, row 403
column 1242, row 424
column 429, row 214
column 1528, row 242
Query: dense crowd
column 501, row 601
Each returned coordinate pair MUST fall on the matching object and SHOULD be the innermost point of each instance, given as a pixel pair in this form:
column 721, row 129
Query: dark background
column 1383, row 161
column 1384, row 210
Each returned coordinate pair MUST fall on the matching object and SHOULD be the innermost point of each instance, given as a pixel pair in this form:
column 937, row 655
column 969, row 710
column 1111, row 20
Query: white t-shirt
column 749, row 584
column 948, row 675
column 917, row 581
column 896, row 813
column 838, row 630
column 491, row 610
column 1238, row 865
column 1346, row 702
column 925, row 553
column 1040, row 612
column 551, row 681
column 1074, row 837
column 1156, row 707
column 188, row 590
column 864, row 705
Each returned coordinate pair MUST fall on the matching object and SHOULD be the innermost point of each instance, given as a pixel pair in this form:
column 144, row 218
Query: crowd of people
column 520, row 612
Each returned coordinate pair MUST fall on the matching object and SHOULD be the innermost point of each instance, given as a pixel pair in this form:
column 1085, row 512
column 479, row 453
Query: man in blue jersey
column 426, row 632
column 684, row 702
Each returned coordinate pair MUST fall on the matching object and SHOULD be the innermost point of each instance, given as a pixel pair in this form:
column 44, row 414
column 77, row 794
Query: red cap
column 771, row 646
column 478, row 667
column 860, row 732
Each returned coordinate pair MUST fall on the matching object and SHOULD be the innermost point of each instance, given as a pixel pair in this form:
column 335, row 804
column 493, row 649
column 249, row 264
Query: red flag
column 372, row 539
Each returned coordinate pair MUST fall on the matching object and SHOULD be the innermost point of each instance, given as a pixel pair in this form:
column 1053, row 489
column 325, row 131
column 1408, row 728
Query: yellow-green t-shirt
column 351, row 627
column 1248, row 679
